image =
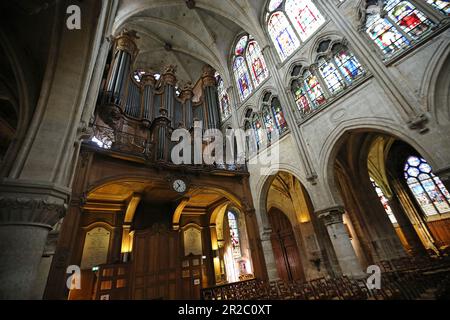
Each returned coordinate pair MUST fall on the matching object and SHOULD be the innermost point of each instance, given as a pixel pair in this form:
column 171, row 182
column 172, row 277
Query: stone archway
column 383, row 222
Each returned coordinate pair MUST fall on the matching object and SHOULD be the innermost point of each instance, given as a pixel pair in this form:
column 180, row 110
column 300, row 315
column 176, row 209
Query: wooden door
column 155, row 265
column 191, row 273
column 285, row 248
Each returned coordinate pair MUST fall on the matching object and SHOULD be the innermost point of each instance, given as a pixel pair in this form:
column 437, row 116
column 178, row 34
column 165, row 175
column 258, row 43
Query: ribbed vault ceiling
column 171, row 33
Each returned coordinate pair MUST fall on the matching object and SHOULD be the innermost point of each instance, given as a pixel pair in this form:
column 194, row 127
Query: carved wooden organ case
column 138, row 117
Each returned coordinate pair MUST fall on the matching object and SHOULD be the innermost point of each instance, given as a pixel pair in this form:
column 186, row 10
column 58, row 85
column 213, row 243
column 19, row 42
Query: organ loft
column 225, row 150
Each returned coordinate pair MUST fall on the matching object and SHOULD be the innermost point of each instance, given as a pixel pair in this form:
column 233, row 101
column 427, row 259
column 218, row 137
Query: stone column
column 269, row 256
column 288, row 105
column 25, row 221
column 348, row 261
column 407, row 228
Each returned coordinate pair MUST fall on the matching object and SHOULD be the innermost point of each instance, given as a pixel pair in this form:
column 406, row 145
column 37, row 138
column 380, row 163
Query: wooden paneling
column 441, row 231
column 285, row 247
column 155, row 265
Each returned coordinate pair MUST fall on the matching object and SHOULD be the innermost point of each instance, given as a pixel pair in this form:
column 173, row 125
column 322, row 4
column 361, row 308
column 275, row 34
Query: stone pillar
column 25, row 221
column 288, row 106
column 348, row 261
column 407, row 228
column 269, row 256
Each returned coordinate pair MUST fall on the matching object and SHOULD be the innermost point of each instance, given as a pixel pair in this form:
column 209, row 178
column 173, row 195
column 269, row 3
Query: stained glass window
column 268, row 122
column 277, row 111
column 331, row 76
column 242, row 77
column 256, row 63
column 240, row 46
column 385, row 35
column 347, row 63
column 282, row 35
column 442, row 5
column 248, row 60
column 223, row 99
column 402, row 23
column 258, row 131
column 384, row 201
column 313, row 88
column 305, row 17
column 427, row 188
column 411, row 20
column 300, row 97
column 234, row 235
column 274, row 4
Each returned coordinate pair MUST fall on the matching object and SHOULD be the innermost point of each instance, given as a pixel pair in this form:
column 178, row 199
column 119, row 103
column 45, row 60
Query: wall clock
column 179, row 186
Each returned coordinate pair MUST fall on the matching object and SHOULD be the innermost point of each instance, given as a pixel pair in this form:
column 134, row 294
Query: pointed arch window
column 258, row 131
column 249, row 66
column 337, row 66
column 248, row 139
column 395, row 31
column 242, row 77
column 234, row 234
column 300, row 97
column 385, row 35
column 282, row 35
column 410, row 20
column 269, row 122
column 277, row 112
column 289, row 21
column 224, row 99
column 306, row 16
column 256, row 62
column 426, row 187
column 441, row 5
column 335, row 71
column 384, row 201
column 347, row 63
column 313, row 88
column 331, row 75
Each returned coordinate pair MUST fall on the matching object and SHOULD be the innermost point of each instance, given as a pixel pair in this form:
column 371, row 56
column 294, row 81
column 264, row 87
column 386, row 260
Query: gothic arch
column 331, row 36
column 436, row 83
column 334, row 142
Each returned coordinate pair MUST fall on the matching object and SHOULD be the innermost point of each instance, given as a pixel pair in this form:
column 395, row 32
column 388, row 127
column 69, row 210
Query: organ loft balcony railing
column 109, row 140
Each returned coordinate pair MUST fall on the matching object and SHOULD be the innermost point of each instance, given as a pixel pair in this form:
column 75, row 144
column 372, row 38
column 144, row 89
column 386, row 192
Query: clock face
column 179, row 186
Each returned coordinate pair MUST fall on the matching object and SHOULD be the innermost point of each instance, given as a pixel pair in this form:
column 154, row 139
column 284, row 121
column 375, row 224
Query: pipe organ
column 138, row 114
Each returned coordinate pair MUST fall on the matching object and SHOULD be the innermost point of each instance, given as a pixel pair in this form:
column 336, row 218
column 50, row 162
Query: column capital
column 332, row 215
column 32, row 204
column 265, row 234
column 30, row 211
